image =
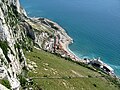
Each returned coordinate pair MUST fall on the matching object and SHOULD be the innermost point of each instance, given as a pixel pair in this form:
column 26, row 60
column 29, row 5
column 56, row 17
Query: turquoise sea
column 93, row 24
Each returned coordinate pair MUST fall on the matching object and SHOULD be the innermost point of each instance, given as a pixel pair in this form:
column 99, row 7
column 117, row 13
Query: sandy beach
column 65, row 46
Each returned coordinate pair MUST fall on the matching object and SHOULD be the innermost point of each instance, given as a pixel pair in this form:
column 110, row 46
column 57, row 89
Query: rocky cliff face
column 11, row 55
column 18, row 33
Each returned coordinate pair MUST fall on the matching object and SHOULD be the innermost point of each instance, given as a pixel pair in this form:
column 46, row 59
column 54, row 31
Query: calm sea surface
column 93, row 24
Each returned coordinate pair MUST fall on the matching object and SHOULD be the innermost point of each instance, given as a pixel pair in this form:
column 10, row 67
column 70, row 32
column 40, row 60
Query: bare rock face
column 10, row 33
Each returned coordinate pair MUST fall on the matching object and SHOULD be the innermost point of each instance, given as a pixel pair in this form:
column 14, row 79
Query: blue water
column 93, row 24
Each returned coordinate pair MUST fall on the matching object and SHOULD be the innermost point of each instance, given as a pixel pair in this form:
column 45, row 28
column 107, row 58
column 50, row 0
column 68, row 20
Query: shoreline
column 72, row 53
column 65, row 40
column 74, row 57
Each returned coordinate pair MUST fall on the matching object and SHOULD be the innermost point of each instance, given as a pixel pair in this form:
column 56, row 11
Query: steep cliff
column 18, row 33
column 12, row 59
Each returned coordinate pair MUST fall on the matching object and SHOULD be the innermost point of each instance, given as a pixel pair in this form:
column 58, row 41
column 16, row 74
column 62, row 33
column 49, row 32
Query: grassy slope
column 50, row 65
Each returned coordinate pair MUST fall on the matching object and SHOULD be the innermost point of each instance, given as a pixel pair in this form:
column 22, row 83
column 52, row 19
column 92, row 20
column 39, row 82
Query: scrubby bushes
column 22, row 80
column 114, row 80
column 4, row 46
column 6, row 83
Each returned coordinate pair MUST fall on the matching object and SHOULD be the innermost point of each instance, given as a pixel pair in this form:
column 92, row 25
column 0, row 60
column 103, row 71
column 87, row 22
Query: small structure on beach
column 100, row 64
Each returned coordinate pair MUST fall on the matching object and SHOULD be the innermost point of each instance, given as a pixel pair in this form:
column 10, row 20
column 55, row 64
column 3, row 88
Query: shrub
column 94, row 85
column 23, row 81
column 89, row 76
column 6, row 83
column 45, row 76
column 4, row 46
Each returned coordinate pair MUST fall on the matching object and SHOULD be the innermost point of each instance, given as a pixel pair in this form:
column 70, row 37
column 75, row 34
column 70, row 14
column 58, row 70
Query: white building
column 102, row 65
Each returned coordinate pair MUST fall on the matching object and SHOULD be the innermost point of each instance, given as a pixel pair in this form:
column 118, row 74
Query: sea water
column 93, row 24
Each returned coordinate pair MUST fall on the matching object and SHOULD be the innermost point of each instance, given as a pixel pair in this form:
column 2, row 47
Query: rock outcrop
column 10, row 35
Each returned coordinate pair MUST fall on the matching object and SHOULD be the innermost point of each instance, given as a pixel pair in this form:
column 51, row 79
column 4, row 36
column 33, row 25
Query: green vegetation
column 12, row 17
column 22, row 80
column 56, row 73
column 4, row 46
column 6, row 83
column 40, row 28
